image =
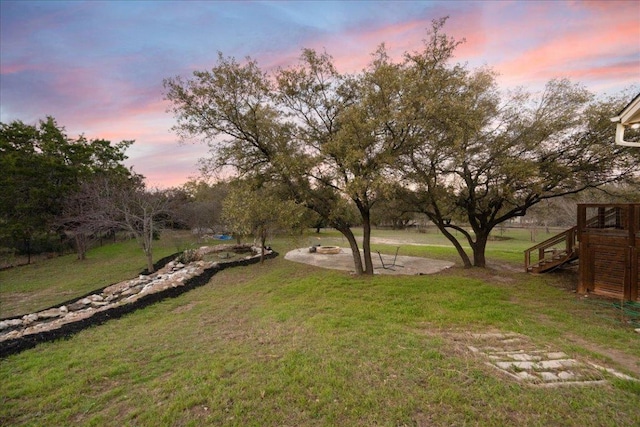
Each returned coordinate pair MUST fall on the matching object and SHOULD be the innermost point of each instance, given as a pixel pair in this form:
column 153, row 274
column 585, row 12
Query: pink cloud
column 409, row 36
column 7, row 67
column 581, row 43
column 351, row 49
column 166, row 163
column 605, row 7
column 574, row 55
column 156, row 152
column 626, row 71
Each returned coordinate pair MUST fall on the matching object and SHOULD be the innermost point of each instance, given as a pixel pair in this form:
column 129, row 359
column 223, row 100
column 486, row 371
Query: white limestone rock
column 10, row 323
column 99, row 303
column 51, row 313
column 29, row 318
column 79, row 305
column 175, row 274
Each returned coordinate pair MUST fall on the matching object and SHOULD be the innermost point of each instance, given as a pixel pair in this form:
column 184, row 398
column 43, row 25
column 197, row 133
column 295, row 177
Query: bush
column 189, row 256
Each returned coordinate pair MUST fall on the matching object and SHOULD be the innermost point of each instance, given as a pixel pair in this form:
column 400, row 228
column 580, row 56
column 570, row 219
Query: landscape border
column 17, row 345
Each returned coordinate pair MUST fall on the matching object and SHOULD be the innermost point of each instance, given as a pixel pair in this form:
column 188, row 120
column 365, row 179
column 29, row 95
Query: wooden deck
column 609, row 239
column 607, row 243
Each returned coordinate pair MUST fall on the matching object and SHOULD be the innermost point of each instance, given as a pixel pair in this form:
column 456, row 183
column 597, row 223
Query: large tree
column 467, row 156
column 479, row 158
column 347, row 124
column 326, row 136
column 39, row 166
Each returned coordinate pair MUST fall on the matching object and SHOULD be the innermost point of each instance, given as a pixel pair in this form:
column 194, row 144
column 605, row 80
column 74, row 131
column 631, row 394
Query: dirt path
column 618, row 357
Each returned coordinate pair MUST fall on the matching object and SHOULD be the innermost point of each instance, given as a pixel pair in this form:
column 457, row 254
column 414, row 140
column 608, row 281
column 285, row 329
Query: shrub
column 189, row 256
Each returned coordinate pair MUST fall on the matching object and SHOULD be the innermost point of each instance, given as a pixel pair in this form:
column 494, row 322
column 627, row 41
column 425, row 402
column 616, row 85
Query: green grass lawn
column 30, row 288
column 506, row 245
column 287, row 344
column 42, row 284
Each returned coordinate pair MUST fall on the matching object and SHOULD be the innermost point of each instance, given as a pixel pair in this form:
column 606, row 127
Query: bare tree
column 199, row 206
column 139, row 212
column 109, row 203
column 77, row 218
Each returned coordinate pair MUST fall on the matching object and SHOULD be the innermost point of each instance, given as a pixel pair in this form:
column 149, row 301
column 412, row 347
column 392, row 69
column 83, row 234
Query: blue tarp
column 222, row 237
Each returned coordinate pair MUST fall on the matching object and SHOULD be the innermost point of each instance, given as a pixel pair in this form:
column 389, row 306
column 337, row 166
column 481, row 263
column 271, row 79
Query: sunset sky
column 97, row 66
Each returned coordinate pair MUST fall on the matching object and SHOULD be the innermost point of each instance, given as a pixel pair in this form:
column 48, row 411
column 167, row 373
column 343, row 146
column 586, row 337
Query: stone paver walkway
column 516, row 356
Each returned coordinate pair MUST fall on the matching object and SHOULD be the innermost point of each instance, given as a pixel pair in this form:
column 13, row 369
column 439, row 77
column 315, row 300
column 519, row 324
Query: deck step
column 554, row 252
column 550, row 264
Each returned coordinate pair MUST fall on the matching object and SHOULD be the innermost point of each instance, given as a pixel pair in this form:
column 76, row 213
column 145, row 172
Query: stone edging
column 96, row 314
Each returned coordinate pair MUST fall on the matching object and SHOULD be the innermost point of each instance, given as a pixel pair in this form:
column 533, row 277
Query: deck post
column 583, row 263
column 634, row 255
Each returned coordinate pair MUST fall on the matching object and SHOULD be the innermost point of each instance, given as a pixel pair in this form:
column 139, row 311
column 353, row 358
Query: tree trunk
column 463, row 255
column 479, row 248
column 353, row 244
column 150, row 267
column 27, row 242
column 366, row 241
column 148, row 241
column 263, row 240
column 81, row 246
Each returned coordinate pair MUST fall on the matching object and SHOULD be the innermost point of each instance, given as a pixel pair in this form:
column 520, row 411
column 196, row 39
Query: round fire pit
column 328, row 250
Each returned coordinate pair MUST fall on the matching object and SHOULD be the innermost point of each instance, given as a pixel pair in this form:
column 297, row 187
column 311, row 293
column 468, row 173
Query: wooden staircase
column 564, row 247
column 553, row 253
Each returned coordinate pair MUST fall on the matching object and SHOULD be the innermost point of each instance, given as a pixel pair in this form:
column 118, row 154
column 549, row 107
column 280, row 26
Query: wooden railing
column 563, row 247
column 613, row 217
column 552, row 252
